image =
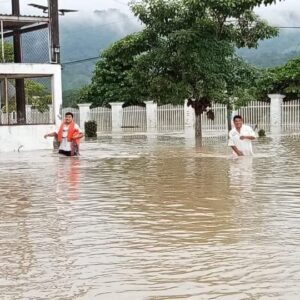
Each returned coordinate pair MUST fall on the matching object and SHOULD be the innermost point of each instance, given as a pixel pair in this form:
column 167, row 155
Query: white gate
column 134, row 118
column 256, row 114
column 290, row 115
column 219, row 124
column 102, row 116
column 170, row 117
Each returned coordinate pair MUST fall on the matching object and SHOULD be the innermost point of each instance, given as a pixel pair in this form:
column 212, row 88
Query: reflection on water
column 151, row 218
column 68, row 177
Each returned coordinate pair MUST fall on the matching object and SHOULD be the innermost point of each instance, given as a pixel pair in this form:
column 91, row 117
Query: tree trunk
column 198, row 127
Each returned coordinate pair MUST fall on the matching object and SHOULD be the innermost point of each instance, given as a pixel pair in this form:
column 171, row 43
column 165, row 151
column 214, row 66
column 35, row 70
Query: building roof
column 11, row 22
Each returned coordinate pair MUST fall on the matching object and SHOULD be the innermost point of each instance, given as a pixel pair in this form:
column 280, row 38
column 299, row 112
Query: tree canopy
column 186, row 49
column 283, row 79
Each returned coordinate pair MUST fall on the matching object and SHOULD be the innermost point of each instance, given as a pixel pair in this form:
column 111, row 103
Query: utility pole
column 20, row 89
column 54, row 31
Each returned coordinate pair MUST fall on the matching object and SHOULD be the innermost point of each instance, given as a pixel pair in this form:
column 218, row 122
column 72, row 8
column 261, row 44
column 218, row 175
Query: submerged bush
column 261, row 133
column 90, row 128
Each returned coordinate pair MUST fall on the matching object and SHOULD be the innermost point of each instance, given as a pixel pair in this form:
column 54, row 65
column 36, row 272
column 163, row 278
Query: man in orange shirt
column 68, row 136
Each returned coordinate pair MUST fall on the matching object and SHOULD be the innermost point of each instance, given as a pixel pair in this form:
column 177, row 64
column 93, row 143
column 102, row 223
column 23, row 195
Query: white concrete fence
column 33, row 116
column 274, row 116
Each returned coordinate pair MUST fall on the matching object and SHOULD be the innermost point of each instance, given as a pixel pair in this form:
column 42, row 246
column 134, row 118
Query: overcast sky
column 83, row 6
column 285, row 13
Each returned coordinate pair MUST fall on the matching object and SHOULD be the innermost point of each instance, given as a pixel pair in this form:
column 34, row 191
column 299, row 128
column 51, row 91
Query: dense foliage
column 283, row 79
column 186, row 50
column 90, row 129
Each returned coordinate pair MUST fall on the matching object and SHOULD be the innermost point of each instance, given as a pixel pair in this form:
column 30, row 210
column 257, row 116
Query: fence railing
column 170, row 117
column 8, row 118
column 256, row 113
column 219, row 124
column 102, row 116
column 36, row 117
column 134, row 118
column 290, row 115
column 32, row 117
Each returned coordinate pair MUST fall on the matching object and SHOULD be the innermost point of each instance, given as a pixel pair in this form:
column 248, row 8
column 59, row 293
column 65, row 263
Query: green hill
column 276, row 51
column 87, row 37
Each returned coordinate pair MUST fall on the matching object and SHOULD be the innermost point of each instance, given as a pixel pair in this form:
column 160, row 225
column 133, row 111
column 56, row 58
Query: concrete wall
column 25, row 138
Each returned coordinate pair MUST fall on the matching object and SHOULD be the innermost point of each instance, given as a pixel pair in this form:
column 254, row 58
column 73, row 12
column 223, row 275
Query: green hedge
column 261, row 133
column 90, row 129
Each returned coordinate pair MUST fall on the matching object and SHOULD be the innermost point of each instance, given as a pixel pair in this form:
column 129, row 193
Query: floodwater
column 140, row 217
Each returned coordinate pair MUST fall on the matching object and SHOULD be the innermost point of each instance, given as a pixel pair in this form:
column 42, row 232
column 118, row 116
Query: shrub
column 90, row 128
column 261, row 133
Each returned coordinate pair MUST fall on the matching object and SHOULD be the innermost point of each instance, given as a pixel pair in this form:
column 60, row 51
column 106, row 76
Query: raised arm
column 249, row 134
column 247, row 137
column 52, row 134
column 78, row 135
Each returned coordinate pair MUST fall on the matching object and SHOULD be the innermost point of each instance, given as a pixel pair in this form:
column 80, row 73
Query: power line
column 80, row 60
column 97, row 57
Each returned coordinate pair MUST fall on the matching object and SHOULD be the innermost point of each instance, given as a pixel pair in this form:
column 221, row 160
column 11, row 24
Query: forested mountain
column 275, row 51
column 85, row 38
column 89, row 35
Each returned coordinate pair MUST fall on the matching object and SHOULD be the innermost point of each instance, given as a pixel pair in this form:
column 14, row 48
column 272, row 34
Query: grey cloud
column 284, row 13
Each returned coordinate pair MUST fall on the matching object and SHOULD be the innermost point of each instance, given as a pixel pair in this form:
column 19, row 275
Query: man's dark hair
column 69, row 114
column 237, row 117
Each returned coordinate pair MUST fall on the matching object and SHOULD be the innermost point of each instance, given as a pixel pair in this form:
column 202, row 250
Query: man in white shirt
column 240, row 138
column 68, row 135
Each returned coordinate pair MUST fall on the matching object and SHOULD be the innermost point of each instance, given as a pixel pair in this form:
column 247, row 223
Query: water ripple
column 145, row 218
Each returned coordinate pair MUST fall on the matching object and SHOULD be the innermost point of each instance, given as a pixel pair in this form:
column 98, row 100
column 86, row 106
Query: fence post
column 84, row 112
column 116, row 115
column 151, row 111
column 51, row 115
column 189, row 119
column 275, row 112
column 29, row 118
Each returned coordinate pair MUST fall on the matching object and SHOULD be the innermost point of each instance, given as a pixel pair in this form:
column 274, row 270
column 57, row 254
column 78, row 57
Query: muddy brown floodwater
column 144, row 217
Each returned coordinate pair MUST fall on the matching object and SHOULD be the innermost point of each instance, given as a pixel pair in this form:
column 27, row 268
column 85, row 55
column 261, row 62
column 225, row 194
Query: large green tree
column 283, row 79
column 186, row 50
column 116, row 76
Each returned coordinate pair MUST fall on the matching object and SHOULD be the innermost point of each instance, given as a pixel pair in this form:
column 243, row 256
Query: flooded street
column 147, row 217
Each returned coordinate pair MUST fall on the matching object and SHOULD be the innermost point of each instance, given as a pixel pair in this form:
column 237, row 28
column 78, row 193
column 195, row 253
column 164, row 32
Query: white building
column 27, row 80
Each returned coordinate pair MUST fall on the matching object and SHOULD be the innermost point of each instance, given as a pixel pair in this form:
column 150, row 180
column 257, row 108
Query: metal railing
column 256, row 113
column 8, row 118
column 170, row 117
column 134, row 118
column 102, row 116
column 290, row 115
column 219, row 124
